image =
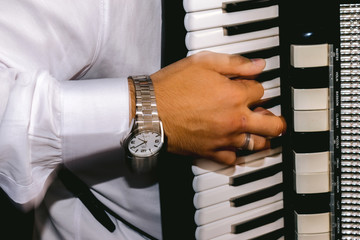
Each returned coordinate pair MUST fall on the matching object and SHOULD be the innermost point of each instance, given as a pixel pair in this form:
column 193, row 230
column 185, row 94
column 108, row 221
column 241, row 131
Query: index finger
column 265, row 124
column 232, row 64
column 253, row 90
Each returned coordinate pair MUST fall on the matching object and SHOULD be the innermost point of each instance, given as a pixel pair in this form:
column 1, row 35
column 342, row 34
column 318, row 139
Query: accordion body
column 307, row 186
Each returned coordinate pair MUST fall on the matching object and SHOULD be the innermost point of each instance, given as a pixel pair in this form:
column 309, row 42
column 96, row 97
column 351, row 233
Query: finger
column 253, row 89
column 263, row 111
column 227, row 157
column 228, row 64
column 265, row 125
column 252, row 142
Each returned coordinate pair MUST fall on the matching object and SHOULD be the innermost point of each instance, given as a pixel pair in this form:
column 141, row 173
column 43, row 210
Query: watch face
column 145, row 144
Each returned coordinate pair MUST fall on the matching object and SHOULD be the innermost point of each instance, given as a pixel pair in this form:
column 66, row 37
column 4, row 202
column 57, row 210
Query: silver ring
column 249, row 143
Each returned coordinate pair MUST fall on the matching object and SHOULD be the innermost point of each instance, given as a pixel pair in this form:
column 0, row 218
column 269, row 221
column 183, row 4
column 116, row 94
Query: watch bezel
column 143, row 164
column 137, row 132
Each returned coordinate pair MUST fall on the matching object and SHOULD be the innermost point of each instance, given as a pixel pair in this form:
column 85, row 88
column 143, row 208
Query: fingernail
column 258, row 61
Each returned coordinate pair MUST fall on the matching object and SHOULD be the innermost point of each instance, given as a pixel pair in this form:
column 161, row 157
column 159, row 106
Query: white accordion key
column 311, row 121
column 216, row 17
column 254, row 233
column 276, row 110
column 312, row 223
column 200, row 5
column 312, row 162
column 202, row 165
column 307, row 183
column 225, row 209
column 222, row 177
column 310, row 99
column 314, row 236
column 271, row 93
column 225, row 226
column 274, row 83
column 306, row 56
column 227, row 5
column 224, row 193
column 243, row 47
column 272, row 63
column 216, row 36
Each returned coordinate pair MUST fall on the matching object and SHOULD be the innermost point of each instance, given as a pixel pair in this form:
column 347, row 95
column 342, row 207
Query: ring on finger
column 249, row 142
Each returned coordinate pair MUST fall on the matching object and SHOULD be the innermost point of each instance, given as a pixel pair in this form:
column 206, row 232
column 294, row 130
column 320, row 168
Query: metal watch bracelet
column 146, row 115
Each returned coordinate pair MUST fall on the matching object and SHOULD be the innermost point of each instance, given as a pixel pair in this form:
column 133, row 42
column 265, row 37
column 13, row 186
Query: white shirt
column 46, row 120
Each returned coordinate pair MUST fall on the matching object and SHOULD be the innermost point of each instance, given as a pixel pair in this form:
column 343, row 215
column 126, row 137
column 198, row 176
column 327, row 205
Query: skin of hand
column 205, row 113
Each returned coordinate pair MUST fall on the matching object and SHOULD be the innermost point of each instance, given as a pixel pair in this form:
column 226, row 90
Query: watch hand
column 139, row 145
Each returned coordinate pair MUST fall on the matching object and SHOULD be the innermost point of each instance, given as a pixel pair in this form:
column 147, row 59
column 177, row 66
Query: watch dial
column 145, row 144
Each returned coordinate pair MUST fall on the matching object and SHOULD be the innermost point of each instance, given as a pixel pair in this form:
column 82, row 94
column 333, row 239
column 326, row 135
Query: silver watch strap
column 146, row 115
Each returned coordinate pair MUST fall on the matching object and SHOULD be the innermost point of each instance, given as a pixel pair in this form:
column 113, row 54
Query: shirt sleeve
column 30, row 143
column 46, row 120
column 95, row 117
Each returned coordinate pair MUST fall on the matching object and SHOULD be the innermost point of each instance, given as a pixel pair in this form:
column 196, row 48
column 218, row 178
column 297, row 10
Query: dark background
column 14, row 223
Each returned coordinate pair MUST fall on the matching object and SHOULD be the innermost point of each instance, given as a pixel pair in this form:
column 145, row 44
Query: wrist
column 132, row 105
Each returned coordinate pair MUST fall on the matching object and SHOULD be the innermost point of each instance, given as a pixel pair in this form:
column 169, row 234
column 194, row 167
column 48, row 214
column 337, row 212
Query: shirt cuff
column 95, row 118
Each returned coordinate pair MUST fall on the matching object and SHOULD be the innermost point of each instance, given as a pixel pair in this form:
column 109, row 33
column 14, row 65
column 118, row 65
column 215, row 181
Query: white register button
column 313, row 223
column 312, row 162
column 307, row 183
column 314, row 236
column 310, row 99
column 307, row 56
column 311, row 121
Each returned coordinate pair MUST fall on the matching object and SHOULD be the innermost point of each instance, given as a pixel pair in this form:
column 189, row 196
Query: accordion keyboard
column 244, row 201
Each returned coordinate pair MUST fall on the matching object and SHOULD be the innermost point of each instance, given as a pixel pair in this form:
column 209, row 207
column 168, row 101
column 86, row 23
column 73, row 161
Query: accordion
column 305, row 187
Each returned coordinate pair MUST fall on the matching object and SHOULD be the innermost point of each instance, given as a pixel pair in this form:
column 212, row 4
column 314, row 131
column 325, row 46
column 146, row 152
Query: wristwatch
column 146, row 138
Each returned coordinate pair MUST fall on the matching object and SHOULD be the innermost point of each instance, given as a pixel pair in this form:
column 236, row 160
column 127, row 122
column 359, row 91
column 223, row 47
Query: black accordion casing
column 320, row 160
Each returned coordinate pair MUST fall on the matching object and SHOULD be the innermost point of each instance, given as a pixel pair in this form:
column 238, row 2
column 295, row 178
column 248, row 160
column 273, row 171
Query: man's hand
column 207, row 114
